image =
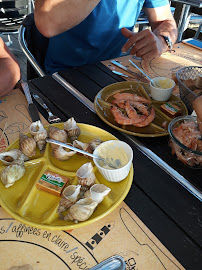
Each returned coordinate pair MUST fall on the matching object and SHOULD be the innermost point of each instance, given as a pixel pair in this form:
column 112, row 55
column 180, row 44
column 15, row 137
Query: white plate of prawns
column 128, row 107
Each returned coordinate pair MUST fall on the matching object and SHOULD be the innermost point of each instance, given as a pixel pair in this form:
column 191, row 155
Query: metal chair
column 34, row 45
column 143, row 22
column 12, row 13
column 198, row 31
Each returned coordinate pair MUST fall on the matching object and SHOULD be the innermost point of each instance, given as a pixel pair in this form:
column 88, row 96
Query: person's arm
column 9, row 70
column 150, row 44
column 52, row 17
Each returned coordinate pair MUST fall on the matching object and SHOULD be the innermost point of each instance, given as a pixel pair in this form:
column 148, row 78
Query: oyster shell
column 12, row 173
column 62, row 153
column 27, row 145
column 72, row 129
column 86, row 176
column 95, row 142
column 40, row 134
column 57, row 134
column 83, row 146
column 97, row 192
column 8, row 157
column 69, row 197
column 81, row 210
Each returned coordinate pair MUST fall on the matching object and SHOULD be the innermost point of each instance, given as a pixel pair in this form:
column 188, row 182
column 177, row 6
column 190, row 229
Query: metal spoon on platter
column 151, row 80
column 114, row 165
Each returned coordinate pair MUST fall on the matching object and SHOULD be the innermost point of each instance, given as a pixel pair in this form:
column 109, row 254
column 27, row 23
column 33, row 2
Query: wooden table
column 172, row 213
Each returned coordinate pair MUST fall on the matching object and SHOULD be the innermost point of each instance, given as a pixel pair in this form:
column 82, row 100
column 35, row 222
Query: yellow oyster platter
column 38, row 208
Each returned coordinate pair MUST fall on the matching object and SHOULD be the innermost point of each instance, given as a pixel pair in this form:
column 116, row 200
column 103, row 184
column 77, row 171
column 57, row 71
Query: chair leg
column 198, row 31
column 142, row 27
column 9, row 42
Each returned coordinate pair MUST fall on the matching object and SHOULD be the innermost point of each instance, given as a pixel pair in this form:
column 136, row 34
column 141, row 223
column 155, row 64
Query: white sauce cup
column 161, row 94
column 115, row 175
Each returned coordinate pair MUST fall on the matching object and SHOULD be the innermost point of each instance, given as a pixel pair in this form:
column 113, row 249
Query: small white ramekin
column 115, row 175
column 161, row 94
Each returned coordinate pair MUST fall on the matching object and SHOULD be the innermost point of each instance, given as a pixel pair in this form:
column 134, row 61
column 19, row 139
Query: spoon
column 152, row 81
column 109, row 164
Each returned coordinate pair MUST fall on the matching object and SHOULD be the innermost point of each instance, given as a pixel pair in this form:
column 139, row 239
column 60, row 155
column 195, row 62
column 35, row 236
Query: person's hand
column 144, row 44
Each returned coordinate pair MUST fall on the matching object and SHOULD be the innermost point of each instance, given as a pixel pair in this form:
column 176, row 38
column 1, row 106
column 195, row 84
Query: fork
column 51, row 117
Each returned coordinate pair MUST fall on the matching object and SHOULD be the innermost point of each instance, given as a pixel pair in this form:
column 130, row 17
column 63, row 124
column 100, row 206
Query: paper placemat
column 14, row 118
column 165, row 66
column 119, row 233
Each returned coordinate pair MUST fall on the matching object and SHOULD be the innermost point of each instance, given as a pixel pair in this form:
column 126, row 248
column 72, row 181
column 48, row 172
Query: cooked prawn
column 131, row 97
column 141, row 107
column 148, row 119
column 131, row 102
column 120, row 118
column 132, row 113
column 120, row 104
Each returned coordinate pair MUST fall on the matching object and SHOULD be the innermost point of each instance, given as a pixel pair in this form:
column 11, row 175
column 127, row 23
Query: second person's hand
column 144, row 44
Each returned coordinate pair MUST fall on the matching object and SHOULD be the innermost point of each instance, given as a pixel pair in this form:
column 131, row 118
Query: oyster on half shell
column 40, row 134
column 13, row 172
column 72, row 129
column 69, row 197
column 8, row 157
column 81, row 210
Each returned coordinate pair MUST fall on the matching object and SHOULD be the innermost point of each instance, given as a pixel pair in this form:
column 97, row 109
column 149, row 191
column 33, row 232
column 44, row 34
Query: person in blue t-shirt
column 87, row 31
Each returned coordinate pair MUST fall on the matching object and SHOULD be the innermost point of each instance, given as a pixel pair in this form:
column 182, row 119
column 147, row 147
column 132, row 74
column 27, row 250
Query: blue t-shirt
column 98, row 37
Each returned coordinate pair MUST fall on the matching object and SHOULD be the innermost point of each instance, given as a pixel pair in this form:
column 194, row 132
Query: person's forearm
column 9, row 75
column 9, row 70
column 53, row 17
column 162, row 23
column 150, row 44
column 166, row 28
